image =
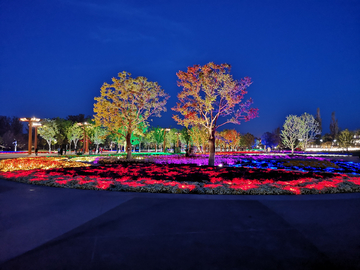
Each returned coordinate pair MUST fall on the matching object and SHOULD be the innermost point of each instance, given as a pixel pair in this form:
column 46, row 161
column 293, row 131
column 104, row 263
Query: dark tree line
column 11, row 130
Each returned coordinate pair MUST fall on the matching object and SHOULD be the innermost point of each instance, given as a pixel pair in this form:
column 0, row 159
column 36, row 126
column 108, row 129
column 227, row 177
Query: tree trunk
column 212, row 148
column 128, row 145
column 49, row 147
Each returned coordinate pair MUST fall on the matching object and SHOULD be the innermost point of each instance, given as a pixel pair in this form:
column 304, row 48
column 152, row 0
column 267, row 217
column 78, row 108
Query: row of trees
column 11, row 132
column 300, row 131
column 210, row 98
column 60, row 131
column 208, row 93
column 70, row 132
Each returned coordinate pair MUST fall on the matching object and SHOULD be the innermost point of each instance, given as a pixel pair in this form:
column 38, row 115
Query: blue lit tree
column 269, row 139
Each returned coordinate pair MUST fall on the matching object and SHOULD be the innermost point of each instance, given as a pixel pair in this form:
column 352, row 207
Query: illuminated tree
column 128, row 102
column 247, row 140
column 198, row 136
column 48, row 131
column 269, row 139
column 118, row 139
column 63, row 126
column 139, row 137
column 291, row 131
column 209, row 92
column 173, row 138
column 219, row 141
column 158, row 136
column 346, row 139
column 98, row 136
column 185, row 137
column 149, row 139
column 299, row 130
column 74, row 134
column 309, row 129
column 231, row 138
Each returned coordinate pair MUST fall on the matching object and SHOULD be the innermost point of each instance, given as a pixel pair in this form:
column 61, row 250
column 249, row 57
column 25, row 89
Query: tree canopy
column 128, row 102
column 48, row 130
column 299, row 130
column 210, row 92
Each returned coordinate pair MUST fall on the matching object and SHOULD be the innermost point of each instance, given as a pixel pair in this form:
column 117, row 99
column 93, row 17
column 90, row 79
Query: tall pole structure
column 31, row 121
column 36, row 125
column 30, row 138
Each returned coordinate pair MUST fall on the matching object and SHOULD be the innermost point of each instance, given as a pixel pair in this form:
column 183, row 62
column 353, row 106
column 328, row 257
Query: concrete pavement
column 56, row 228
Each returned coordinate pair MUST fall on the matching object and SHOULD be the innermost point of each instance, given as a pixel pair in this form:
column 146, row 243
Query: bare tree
column 299, row 130
column 291, row 131
column 309, row 129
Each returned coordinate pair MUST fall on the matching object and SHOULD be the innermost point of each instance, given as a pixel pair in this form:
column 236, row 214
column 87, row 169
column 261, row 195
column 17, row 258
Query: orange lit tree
column 210, row 92
column 231, row 137
column 127, row 104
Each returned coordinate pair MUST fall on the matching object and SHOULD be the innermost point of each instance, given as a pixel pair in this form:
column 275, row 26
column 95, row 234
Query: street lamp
column 33, row 121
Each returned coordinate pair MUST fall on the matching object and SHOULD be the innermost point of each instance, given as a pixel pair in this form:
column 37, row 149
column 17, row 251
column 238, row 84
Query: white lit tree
column 309, row 129
column 98, row 136
column 74, row 134
column 291, row 131
column 299, row 130
column 48, row 131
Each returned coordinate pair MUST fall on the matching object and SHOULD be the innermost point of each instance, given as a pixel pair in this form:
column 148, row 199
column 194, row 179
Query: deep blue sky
column 301, row 55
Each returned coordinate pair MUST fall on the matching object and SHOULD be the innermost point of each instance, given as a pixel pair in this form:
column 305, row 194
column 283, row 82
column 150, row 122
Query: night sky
column 301, row 55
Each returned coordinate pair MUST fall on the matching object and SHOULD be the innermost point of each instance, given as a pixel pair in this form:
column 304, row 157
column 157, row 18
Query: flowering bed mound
column 9, row 165
column 170, row 178
column 267, row 161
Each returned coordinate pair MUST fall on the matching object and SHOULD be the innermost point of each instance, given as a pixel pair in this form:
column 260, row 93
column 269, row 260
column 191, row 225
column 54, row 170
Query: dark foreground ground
column 55, row 228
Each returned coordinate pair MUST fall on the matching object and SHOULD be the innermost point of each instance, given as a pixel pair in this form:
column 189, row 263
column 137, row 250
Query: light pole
column 33, row 121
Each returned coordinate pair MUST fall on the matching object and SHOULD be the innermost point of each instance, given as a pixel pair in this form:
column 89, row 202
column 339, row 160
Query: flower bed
column 288, row 162
column 45, row 163
column 170, row 178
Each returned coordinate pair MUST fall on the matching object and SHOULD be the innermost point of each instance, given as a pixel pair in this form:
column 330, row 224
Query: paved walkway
column 56, row 228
